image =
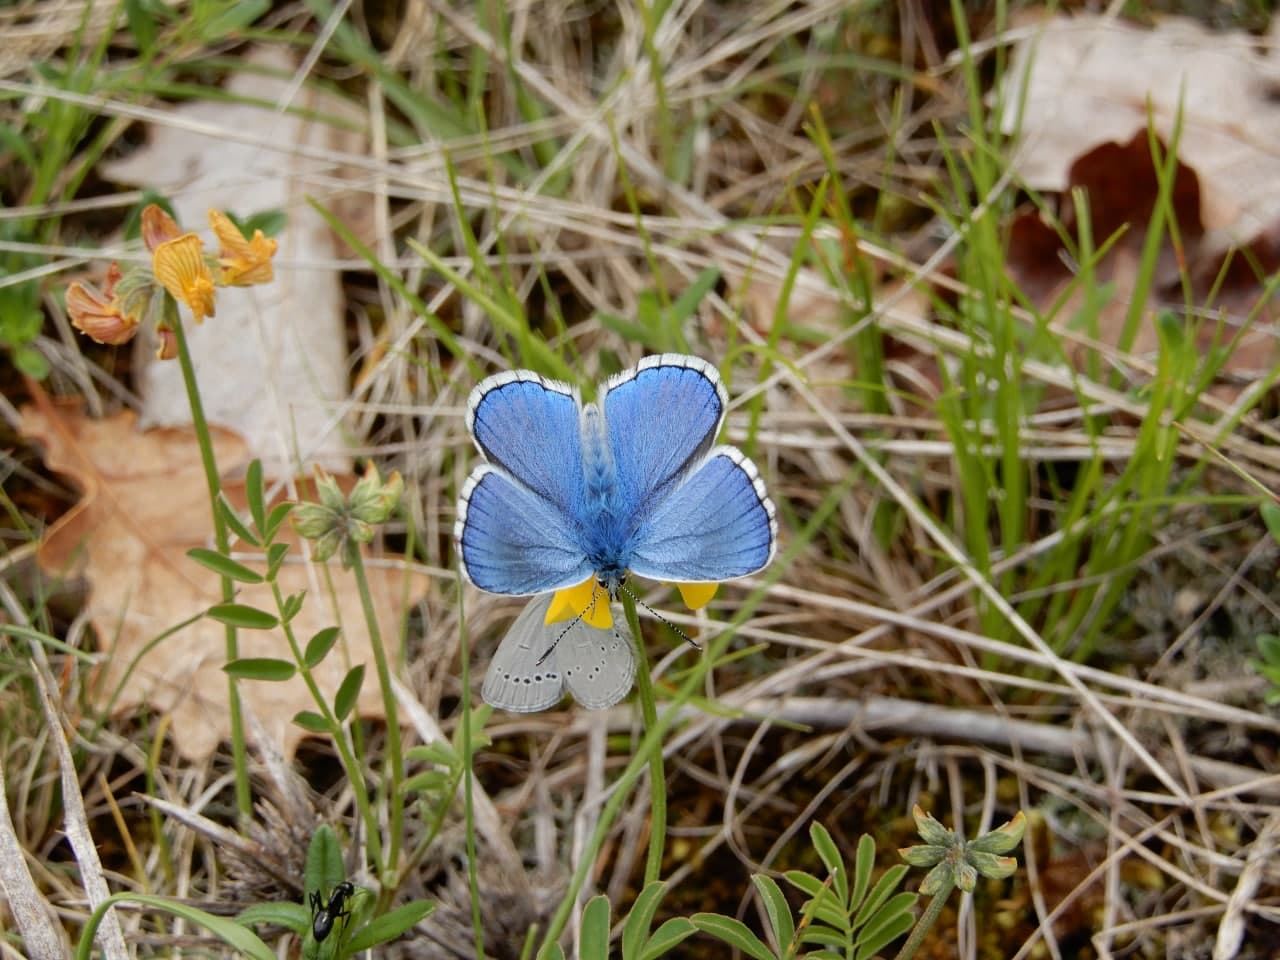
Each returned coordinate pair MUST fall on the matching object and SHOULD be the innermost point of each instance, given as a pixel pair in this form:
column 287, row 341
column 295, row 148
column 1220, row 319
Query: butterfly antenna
column 560, row 636
column 671, row 626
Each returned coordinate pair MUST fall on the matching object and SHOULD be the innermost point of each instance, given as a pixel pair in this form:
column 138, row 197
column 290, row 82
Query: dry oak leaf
column 1075, row 82
column 144, row 505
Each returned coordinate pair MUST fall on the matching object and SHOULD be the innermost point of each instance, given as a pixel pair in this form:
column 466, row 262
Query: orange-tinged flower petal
column 587, row 599
column 180, row 267
column 100, row 315
column 241, row 262
column 158, row 227
column 697, row 595
column 166, row 343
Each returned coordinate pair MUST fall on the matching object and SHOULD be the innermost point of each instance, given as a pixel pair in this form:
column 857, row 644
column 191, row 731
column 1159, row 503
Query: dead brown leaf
column 144, row 505
column 1075, row 83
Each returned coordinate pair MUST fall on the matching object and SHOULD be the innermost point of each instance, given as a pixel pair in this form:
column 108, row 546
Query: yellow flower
column 101, row 315
column 180, row 267
column 241, row 262
column 697, row 595
column 591, row 601
column 587, row 598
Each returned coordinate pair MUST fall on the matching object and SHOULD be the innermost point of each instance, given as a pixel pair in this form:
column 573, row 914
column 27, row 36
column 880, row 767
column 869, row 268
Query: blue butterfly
column 576, row 495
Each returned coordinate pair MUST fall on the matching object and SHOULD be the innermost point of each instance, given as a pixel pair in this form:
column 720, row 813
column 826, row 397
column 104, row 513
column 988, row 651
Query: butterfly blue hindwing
column 716, row 525
column 512, row 541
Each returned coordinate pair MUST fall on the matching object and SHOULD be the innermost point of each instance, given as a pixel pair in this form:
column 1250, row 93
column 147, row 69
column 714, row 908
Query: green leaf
column 270, row 222
column 318, row 647
column 864, row 863
column 232, row 519
column 245, row 617
column 1270, row 511
column 224, row 566
column 261, row 668
column 686, row 304
column 555, row 952
column 275, row 556
column 594, row 934
column 255, row 494
column 324, row 869
column 1269, row 646
column 390, row 925
column 804, row 882
column 879, row 936
column 348, row 691
column 292, row 605
column 630, row 331
column 429, row 781
column 30, row 361
column 311, row 721
column 640, row 918
column 282, row 913
column 672, row 933
column 232, row 19
column 438, row 751
column 831, row 859
column 897, row 907
column 224, row 928
column 479, row 739
column 880, row 893
column 142, row 24
column 827, row 910
column 779, row 911
column 276, row 517
column 733, row 932
column 825, row 936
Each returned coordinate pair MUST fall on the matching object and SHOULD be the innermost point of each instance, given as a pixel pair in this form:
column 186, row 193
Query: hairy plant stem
column 239, row 755
column 657, row 776
column 926, row 921
column 395, row 758
column 349, row 763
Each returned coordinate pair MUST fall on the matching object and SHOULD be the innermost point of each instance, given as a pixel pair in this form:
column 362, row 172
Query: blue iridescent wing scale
column 662, row 418
column 511, row 540
column 528, row 426
column 717, row 524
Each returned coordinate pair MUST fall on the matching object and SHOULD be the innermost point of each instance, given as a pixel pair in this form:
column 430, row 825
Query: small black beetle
column 324, row 915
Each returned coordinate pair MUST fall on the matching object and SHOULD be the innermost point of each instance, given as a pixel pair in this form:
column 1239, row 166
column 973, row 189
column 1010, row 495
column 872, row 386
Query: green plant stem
column 468, row 781
column 355, row 772
column 239, row 755
column 396, row 755
column 926, row 921
column 657, row 776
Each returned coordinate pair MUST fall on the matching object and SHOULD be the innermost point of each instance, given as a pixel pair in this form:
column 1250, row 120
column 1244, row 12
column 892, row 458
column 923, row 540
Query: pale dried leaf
column 272, row 363
column 1088, row 80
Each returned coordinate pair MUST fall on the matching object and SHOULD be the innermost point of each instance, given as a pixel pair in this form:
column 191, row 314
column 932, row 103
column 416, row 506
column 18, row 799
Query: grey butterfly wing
column 515, row 680
column 598, row 666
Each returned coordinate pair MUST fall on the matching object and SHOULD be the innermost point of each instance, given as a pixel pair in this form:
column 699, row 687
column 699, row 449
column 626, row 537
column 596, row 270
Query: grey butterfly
column 596, row 666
